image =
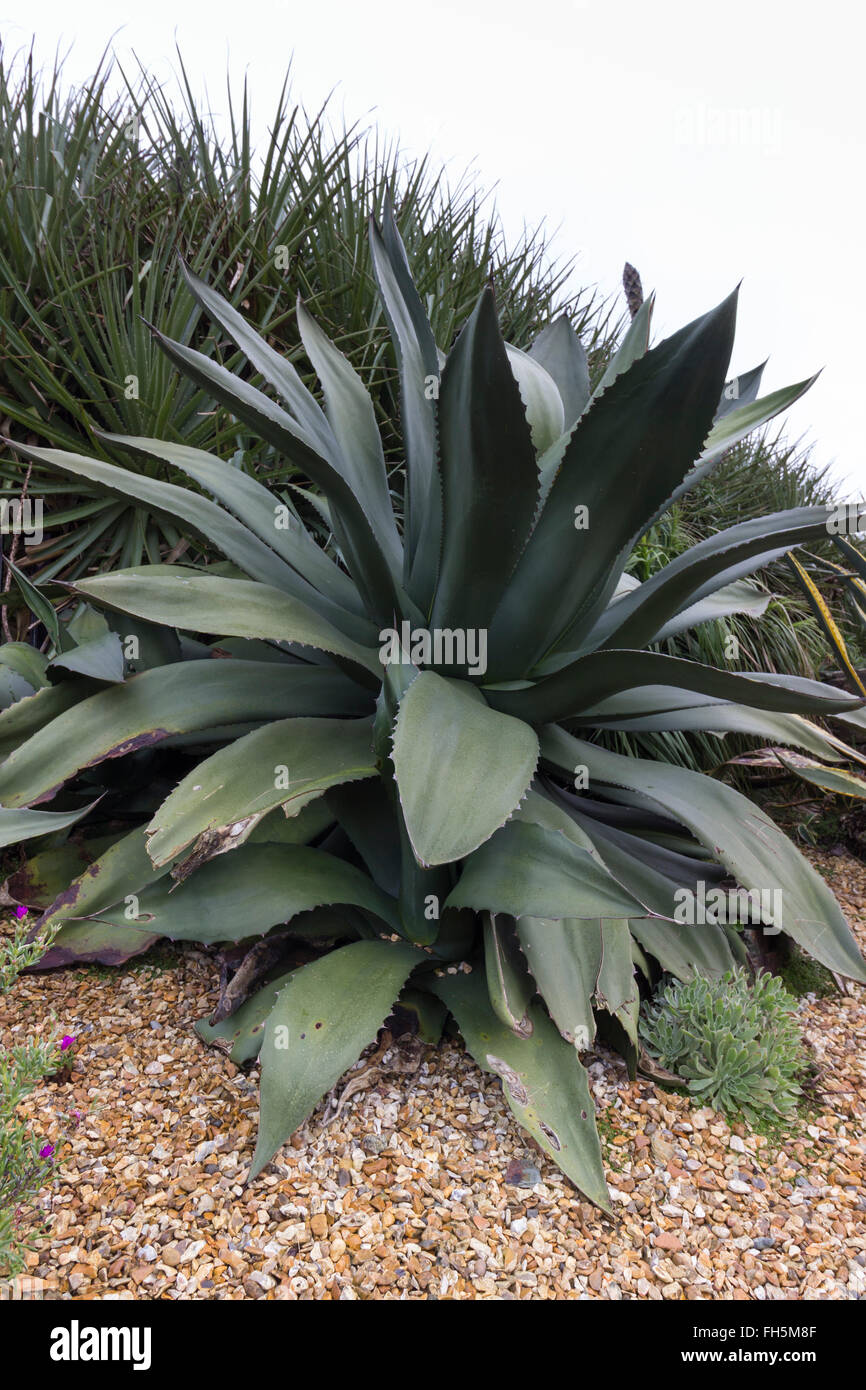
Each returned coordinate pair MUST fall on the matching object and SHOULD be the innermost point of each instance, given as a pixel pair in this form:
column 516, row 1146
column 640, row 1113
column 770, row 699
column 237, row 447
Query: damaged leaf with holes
column 365, row 766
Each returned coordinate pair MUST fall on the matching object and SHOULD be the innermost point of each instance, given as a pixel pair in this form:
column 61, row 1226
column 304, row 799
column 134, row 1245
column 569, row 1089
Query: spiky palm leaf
column 100, row 190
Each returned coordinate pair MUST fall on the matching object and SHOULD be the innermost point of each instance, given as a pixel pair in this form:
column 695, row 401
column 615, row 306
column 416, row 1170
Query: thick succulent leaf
column 364, row 557
column 740, row 390
column 650, row 700
column 581, row 687
column 733, row 425
column 509, row 984
column 286, row 763
column 418, row 366
column 346, row 437
column 627, row 453
column 544, row 1083
column 837, row 781
column 616, row 990
column 678, row 857
column 423, row 890
column 264, row 515
column 489, row 474
column 242, row 1034
column 541, row 399
column 13, row 687
column 625, row 803
column 156, row 645
column 276, row 828
column 95, row 943
column 353, row 421
column 276, row 369
column 789, row 729
column 61, row 638
column 728, row 430
column 626, row 816
column 855, row 719
column 16, row 824
column 527, row 870
column 325, row 1016
column 461, row 767
column 231, row 607
column 651, row 873
column 28, row 715
column 119, row 871
column 685, row 951
column 633, row 346
column 169, row 700
column 850, row 552
column 203, row 517
column 40, row 879
column 259, row 887
column 717, row 561
column 741, row 836
column 86, row 624
column 724, row 603
column 427, row 1013
column 559, row 350
column 26, row 662
column 367, row 814
column 565, row 957
column 733, row 598
column 539, row 809
column 100, row 660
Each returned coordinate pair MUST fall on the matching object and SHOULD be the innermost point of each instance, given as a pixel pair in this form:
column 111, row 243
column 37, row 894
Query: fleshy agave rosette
column 394, row 758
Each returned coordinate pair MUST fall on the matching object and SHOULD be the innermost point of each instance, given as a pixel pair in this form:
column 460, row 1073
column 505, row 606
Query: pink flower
column 47, row 1151
column 66, row 1041
column 21, row 910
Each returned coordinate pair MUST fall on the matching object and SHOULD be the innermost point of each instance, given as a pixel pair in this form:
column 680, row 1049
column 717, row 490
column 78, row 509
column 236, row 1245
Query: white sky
column 702, row 143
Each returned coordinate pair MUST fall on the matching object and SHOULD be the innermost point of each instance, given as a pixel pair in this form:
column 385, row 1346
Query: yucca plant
column 393, row 754
column 102, row 187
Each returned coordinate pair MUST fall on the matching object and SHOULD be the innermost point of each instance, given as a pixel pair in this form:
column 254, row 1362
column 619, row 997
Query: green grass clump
column 734, row 1041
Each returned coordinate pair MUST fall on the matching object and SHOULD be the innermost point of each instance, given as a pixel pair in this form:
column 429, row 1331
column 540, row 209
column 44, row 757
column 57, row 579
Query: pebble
column 373, row 1143
column 522, row 1174
column 410, row 1192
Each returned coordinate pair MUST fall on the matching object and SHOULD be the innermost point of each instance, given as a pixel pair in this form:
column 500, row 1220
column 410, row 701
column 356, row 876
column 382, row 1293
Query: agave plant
column 385, row 748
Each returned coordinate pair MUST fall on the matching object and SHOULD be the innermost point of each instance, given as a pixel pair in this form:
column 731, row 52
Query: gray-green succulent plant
column 386, row 746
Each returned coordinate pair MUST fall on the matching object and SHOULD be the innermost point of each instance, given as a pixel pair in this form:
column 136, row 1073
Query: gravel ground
column 422, row 1186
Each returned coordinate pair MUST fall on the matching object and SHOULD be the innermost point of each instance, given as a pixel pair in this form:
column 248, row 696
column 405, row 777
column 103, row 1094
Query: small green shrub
column 24, row 1160
column 735, row 1041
